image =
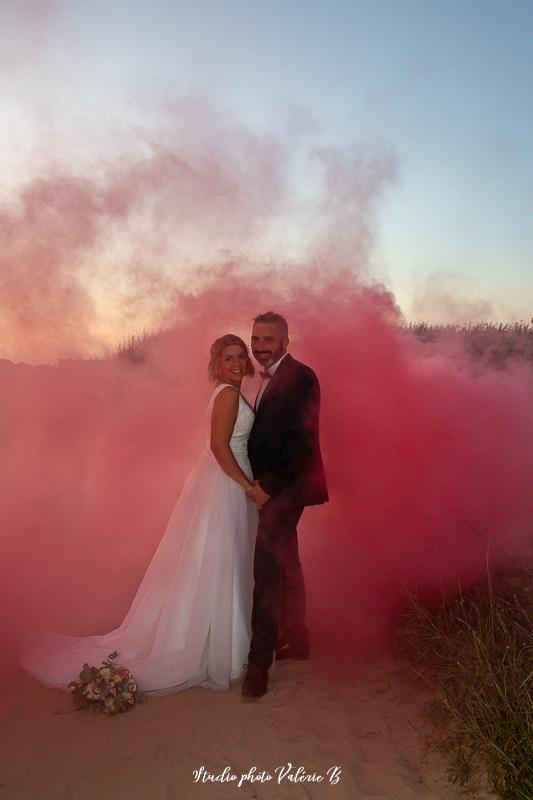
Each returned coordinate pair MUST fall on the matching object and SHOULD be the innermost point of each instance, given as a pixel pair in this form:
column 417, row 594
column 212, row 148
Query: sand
column 368, row 721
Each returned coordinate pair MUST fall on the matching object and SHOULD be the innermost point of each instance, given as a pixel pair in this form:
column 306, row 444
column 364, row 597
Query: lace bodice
column 243, row 424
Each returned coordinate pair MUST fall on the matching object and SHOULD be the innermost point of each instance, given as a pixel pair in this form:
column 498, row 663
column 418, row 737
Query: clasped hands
column 255, row 493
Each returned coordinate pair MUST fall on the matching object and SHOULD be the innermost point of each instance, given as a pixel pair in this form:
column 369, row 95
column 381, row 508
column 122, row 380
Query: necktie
column 264, row 374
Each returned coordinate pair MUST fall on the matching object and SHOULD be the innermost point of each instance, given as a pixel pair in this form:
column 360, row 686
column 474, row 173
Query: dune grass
column 475, row 649
column 133, row 347
column 487, row 344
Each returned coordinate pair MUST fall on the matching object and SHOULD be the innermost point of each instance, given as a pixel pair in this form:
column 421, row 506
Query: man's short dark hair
column 271, row 318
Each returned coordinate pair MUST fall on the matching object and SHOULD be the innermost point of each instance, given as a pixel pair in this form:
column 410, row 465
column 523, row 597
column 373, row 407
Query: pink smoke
column 416, row 449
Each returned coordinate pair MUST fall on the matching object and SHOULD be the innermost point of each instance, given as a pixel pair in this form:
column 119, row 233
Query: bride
column 189, row 622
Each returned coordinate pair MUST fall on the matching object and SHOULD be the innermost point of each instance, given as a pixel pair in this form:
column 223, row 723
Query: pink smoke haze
column 417, row 449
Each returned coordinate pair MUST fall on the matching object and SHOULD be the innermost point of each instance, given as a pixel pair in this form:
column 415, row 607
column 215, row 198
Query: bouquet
column 110, row 688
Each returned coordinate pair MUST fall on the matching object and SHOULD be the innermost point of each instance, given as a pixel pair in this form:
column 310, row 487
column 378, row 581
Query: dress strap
column 219, row 389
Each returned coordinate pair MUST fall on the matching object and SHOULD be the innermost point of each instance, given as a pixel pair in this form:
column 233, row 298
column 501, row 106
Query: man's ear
column 285, row 341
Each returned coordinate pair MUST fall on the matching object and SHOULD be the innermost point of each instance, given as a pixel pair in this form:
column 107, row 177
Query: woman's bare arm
column 225, row 409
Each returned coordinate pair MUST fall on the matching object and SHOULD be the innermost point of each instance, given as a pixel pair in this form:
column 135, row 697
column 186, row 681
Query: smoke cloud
column 420, row 454
column 426, row 459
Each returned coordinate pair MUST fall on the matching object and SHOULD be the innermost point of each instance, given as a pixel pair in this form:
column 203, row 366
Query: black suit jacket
column 284, row 446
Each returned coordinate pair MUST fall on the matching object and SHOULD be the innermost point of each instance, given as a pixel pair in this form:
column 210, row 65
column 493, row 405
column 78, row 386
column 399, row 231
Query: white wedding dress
column 189, row 622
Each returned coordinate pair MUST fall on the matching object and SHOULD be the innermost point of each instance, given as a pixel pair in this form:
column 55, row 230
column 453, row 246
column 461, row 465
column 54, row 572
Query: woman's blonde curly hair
column 213, row 368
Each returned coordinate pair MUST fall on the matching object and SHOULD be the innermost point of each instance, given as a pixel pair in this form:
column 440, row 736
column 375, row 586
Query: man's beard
column 272, row 357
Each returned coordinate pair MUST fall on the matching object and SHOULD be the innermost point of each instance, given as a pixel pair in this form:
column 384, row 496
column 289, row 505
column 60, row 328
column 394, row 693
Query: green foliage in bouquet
column 109, row 688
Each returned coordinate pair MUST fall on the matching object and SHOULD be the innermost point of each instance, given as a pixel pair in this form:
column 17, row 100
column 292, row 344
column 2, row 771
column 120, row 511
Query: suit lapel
column 270, row 389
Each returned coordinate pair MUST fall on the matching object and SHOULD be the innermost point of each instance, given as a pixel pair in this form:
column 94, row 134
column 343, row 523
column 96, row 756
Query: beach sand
column 368, row 720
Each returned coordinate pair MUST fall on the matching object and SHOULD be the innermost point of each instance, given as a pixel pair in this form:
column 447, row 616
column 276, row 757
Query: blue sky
column 444, row 87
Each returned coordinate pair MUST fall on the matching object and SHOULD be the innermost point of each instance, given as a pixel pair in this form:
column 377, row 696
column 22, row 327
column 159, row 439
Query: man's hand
column 256, row 494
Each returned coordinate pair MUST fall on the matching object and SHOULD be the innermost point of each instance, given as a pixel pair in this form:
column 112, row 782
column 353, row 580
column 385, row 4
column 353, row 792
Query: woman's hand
column 255, row 493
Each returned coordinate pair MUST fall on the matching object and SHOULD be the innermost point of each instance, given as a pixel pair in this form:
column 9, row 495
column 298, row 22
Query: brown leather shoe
column 256, row 681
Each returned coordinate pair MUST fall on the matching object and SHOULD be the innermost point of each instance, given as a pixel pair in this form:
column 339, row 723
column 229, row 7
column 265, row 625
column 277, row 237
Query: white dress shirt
column 264, row 383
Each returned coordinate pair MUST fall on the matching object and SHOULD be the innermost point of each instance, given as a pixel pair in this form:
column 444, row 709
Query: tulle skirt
column 189, row 622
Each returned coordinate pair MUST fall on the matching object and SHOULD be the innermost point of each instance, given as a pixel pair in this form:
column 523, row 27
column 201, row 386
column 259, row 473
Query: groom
column 284, row 452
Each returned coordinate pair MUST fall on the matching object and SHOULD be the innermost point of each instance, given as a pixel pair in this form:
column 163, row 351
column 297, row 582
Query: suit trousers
column 279, row 590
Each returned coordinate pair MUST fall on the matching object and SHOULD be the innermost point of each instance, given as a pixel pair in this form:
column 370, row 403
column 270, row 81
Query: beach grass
column 487, row 344
column 133, row 347
column 475, row 649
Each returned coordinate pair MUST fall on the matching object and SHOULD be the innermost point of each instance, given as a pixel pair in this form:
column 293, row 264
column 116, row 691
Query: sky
column 429, row 102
